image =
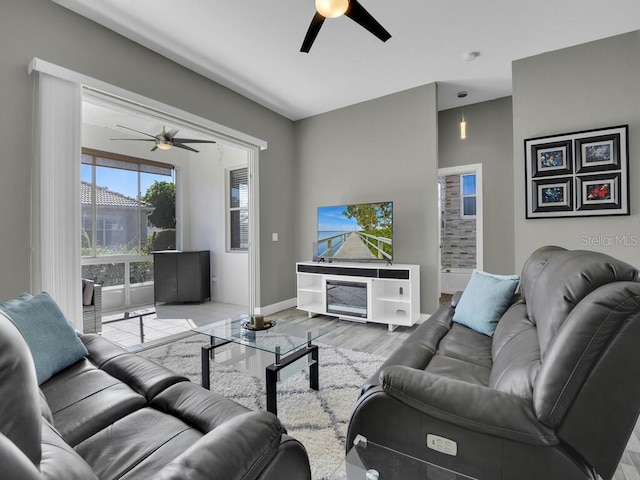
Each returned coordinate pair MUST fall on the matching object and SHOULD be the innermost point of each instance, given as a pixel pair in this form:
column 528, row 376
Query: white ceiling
column 252, row 46
column 112, row 118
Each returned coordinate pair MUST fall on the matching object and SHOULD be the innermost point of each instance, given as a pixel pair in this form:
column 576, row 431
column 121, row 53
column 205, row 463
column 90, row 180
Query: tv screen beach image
column 356, row 232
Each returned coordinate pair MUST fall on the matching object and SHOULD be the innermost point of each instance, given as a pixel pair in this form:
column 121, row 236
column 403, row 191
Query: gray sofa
column 115, row 415
column 553, row 394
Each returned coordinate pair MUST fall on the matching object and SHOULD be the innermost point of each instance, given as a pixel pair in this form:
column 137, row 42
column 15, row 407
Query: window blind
column 239, row 209
column 124, row 162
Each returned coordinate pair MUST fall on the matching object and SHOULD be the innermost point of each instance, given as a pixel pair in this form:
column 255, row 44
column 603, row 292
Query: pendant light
column 463, row 122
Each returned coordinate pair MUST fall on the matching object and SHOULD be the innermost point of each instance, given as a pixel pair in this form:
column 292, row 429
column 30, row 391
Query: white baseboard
column 423, row 317
column 277, row 307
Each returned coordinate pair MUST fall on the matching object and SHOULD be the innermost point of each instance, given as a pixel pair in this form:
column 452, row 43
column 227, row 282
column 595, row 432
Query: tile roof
column 106, row 197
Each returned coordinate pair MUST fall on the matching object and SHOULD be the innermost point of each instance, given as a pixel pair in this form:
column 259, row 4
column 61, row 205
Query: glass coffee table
column 279, row 351
column 367, row 460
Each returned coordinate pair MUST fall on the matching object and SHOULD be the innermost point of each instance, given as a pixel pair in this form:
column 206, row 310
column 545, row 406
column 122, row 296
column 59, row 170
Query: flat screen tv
column 355, row 232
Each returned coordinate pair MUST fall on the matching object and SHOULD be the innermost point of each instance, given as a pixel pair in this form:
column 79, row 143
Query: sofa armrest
column 471, row 406
column 15, row 464
column 456, row 298
column 238, row 449
column 418, row 349
column 145, row 376
column 142, row 375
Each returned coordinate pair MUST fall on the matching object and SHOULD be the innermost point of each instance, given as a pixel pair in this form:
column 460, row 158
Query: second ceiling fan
column 165, row 140
column 336, row 8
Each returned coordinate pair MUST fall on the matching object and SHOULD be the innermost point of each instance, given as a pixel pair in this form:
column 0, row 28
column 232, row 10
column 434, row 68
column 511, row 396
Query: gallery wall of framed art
column 578, row 174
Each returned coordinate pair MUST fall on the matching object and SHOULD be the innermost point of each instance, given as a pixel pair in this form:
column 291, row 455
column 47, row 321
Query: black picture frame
column 598, row 192
column 597, row 154
column 554, row 158
column 577, row 174
column 552, row 194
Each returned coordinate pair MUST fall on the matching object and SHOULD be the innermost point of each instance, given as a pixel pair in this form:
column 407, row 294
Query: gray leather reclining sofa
column 553, row 395
column 115, row 415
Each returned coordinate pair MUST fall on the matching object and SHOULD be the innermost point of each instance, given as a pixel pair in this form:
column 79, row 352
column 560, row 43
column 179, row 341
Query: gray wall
column 489, row 142
column 584, row 87
column 381, row 150
column 40, row 28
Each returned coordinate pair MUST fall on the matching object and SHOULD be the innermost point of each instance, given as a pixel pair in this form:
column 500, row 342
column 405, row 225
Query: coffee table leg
column 272, row 396
column 205, row 365
column 314, row 369
column 206, row 354
column 271, row 374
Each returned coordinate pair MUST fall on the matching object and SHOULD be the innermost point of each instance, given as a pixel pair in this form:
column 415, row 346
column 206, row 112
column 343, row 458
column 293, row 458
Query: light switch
column 274, row 237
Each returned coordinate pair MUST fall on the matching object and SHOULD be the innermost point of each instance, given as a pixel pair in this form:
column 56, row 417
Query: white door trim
column 477, row 169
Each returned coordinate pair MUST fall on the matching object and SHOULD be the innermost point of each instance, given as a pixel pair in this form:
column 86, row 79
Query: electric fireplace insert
column 347, row 298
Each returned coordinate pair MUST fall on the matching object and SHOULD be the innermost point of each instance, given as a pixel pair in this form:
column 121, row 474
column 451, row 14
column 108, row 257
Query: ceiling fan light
column 163, row 145
column 332, row 8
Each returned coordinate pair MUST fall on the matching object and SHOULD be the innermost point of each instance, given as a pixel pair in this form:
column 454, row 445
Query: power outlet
column 442, row 445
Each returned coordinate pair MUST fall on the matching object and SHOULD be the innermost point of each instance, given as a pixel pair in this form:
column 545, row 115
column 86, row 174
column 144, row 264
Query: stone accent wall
column 458, row 234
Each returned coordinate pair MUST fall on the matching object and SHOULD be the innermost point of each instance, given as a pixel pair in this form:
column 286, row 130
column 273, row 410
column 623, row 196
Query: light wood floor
column 370, row 337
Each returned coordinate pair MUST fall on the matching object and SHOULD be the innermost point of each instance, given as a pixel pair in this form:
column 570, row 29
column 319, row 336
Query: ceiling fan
column 164, row 140
column 336, row 8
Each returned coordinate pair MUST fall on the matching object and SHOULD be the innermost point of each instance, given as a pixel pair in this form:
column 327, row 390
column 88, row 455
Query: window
column 128, row 205
column 110, row 232
column 468, row 195
column 238, row 217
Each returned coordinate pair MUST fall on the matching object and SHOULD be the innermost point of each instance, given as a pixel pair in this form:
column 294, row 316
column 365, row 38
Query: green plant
column 162, row 195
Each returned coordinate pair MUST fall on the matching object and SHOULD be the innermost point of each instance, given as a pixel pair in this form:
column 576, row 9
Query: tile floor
column 167, row 322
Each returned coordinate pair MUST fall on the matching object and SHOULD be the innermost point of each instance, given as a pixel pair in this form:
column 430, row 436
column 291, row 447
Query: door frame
column 459, row 170
column 90, row 86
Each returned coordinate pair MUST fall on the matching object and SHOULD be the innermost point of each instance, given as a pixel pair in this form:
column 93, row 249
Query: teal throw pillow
column 51, row 338
column 485, row 299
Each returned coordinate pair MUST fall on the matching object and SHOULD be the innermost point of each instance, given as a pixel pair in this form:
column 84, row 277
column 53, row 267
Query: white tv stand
column 392, row 291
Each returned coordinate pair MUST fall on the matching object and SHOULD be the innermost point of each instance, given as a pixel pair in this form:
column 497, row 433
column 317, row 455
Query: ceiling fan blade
column 312, row 32
column 170, row 134
column 358, row 14
column 191, row 140
column 136, row 139
column 165, row 137
column 181, row 145
column 138, row 131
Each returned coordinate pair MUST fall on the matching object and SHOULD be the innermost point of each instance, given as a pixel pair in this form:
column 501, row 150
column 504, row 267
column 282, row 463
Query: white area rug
column 318, row 419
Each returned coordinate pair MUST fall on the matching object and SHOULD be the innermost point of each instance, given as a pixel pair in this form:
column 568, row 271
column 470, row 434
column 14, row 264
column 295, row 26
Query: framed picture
column 577, row 174
column 551, row 159
column 598, row 154
column 597, row 192
column 552, row 195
